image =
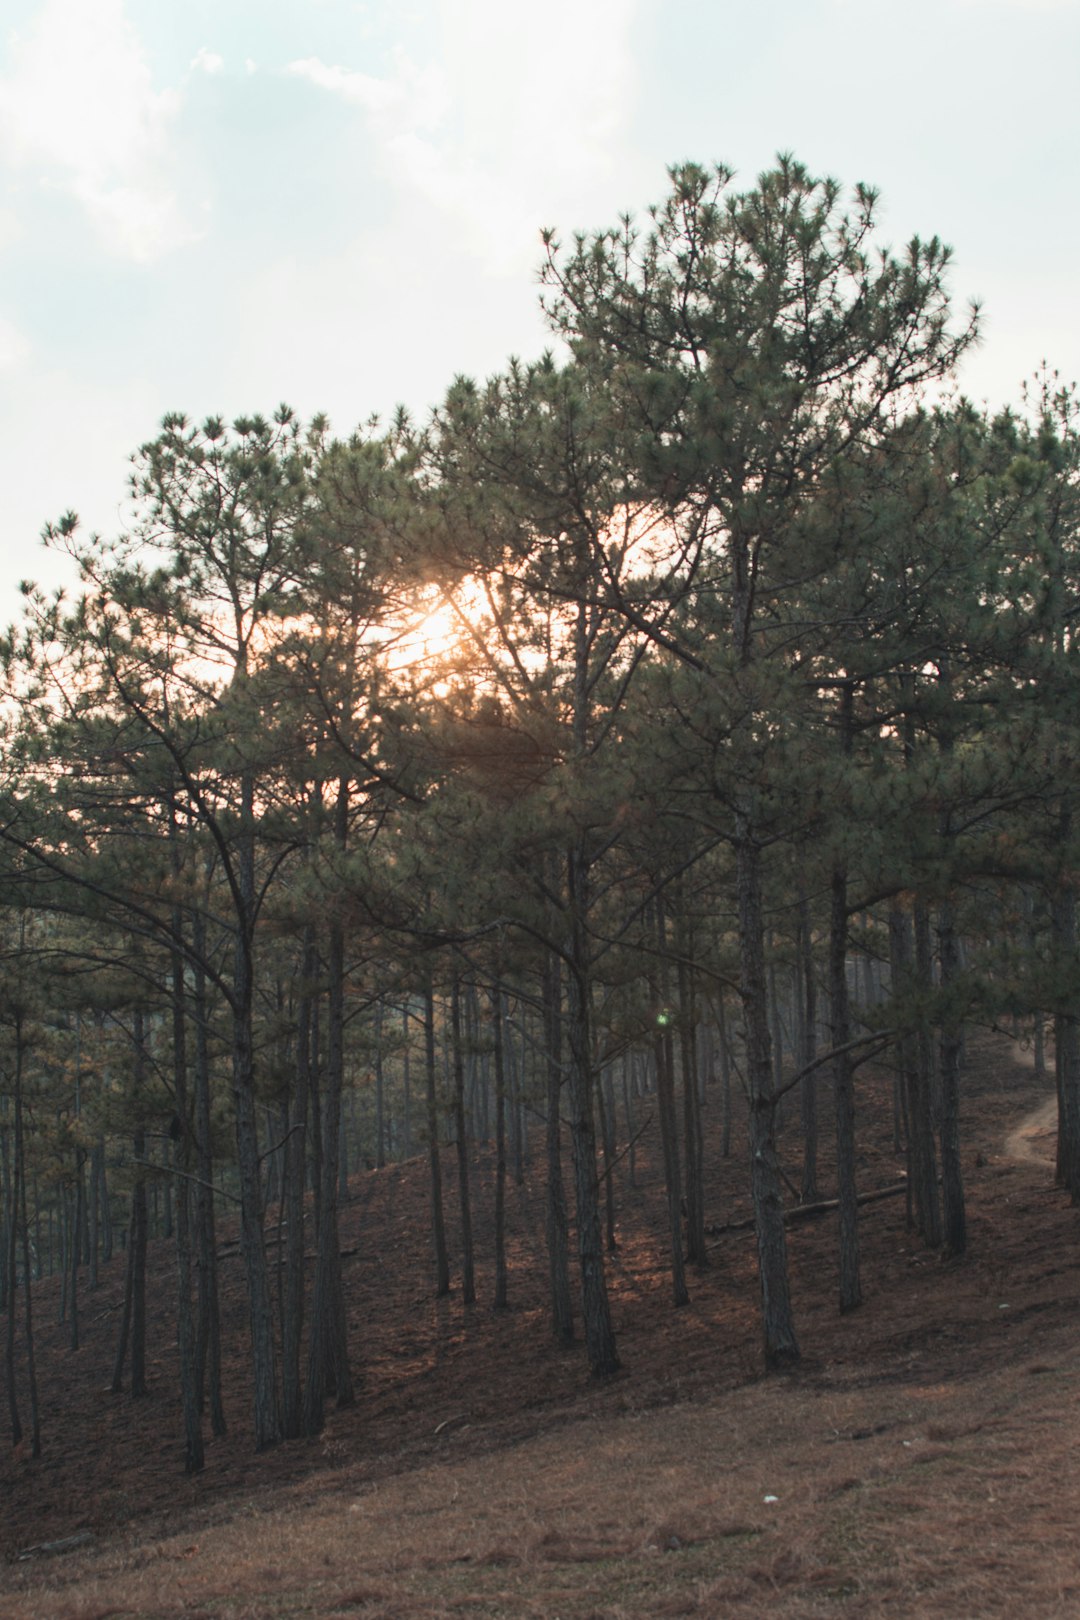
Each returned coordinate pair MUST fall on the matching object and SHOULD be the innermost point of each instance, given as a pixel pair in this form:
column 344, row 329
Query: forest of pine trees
column 693, row 713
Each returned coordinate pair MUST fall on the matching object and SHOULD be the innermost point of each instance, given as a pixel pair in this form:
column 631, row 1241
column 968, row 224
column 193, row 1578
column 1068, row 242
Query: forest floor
column 919, row 1462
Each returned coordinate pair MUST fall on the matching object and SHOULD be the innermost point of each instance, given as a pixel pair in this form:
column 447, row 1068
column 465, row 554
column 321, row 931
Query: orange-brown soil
column 917, row 1463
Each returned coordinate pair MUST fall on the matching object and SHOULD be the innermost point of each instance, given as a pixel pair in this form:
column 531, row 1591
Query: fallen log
column 804, row 1212
column 49, row 1549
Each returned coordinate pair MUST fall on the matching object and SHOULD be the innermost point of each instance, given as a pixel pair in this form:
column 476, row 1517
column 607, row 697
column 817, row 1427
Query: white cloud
column 11, row 229
column 14, row 347
column 410, row 99
column 526, row 105
column 207, row 61
column 78, row 108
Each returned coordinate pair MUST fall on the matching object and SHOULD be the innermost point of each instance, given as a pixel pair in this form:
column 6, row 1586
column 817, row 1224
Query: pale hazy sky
column 217, row 205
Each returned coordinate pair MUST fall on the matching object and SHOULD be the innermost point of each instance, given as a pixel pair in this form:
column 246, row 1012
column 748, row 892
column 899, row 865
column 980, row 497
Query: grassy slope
column 920, row 1459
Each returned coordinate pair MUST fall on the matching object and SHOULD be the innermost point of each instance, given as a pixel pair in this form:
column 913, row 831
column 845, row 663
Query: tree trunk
column 500, row 1146
column 194, row 1456
column 921, row 1099
column 806, row 1055
column 557, row 1225
column 696, row 1250
column 101, row 1201
column 208, row 1328
column 517, row 1130
column 292, row 1325
column 328, row 1363
column 664, row 1058
column 406, row 1084
column 781, row 1345
column 438, row 1222
column 950, row 1048
column 840, row 1035
column 133, row 1318
column 267, row 1417
column 1067, row 1028
column 631, row 1131
column 139, row 1233
column 725, row 1075
column 596, row 1311
column 605, row 1100
column 468, row 1272
column 75, row 1247
column 20, row 1177
column 380, row 1131
column 11, row 1205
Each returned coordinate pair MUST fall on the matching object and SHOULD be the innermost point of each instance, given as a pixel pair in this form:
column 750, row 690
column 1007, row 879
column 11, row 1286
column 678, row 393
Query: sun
column 437, row 635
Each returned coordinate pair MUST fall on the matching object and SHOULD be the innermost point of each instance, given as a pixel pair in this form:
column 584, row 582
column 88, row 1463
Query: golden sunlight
column 438, row 634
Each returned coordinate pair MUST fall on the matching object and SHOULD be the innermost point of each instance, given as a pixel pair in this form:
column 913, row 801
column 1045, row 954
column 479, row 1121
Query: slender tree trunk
column 20, row 1179
column 267, row 1416
column 105, row 1216
column 950, row 1049
column 380, row 1129
column 808, row 1110
column 1063, row 924
column 64, row 1223
column 781, row 1344
column 406, row 1083
column 664, row 1058
column 133, row 1319
column 125, row 1316
column 664, row 1055
column 11, row 1205
column 776, row 1025
column 557, row 1225
column 438, row 1221
column 292, row 1325
column 605, row 1101
column 921, row 1099
column 840, row 1034
column 516, row 1065
column 517, row 1130
column 840, row 1031
column 92, row 1217
column 97, row 1209
column 696, row 1250
column 328, row 1364
column 631, row 1129
column 208, row 1327
column 901, row 974
column 6, row 1204
column 725, row 1075
column 74, row 1247
column 500, row 1146
column 343, row 1161
column 468, row 1272
column 951, row 1028
column 596, row 1311
column 139, row 1228
column 194, row 1455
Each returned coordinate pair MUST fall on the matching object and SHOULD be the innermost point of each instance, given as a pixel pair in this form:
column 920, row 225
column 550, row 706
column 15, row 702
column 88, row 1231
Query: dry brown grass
column 921, row 1461
column 891, row 1498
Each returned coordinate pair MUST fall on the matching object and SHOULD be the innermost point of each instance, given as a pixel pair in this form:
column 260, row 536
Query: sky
column 220, row 205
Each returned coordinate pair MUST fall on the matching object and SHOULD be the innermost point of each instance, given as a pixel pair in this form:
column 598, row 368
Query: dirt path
column 1033, row 1140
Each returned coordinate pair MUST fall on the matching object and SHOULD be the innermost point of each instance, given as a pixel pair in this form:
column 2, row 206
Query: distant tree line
column 678, row 722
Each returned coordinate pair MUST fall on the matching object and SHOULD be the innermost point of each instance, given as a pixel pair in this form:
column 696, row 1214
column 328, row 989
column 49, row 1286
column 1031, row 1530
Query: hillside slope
column 919, row 1459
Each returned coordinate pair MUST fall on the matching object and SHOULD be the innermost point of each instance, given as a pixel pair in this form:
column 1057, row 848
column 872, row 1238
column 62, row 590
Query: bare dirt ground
column 919, row 1463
